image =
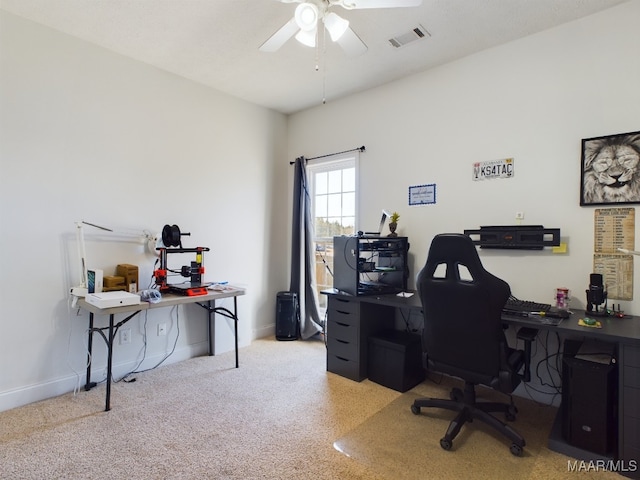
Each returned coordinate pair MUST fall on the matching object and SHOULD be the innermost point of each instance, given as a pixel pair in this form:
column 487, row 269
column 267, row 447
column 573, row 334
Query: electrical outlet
column 162, row 329
column 519, row 215
column 125, row 336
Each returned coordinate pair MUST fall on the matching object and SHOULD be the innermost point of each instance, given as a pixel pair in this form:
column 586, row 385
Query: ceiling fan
column 304, row 24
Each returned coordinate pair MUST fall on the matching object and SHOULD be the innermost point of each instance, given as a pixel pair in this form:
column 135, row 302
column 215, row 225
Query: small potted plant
column 393, row 224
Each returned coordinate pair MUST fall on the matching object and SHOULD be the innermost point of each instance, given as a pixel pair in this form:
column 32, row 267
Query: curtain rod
column 359, row 149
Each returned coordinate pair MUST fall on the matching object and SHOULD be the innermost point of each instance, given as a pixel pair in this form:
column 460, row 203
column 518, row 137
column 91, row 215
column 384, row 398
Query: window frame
column 324, row 256
column 335, row 162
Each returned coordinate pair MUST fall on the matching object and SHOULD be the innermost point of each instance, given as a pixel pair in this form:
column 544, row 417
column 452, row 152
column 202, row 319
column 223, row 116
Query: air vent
column 411, row 36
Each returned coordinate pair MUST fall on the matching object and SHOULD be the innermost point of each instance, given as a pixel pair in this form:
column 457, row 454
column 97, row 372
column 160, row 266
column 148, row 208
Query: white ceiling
column 215, row 42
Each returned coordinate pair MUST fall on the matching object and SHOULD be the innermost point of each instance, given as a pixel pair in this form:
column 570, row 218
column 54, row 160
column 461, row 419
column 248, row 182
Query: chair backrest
column 462, row 305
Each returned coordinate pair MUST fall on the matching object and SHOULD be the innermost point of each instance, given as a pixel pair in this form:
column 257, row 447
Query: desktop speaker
column 287, row 325
column 589, row 402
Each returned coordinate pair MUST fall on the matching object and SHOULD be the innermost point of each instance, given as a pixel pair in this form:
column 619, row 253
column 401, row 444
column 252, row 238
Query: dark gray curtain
column 303, row 281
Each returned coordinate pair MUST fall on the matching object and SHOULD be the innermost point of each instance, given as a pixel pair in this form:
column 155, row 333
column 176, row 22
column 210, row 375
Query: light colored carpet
column 276, row 417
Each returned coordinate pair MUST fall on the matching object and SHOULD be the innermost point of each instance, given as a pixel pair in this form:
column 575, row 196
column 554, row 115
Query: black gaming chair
column 463, row 336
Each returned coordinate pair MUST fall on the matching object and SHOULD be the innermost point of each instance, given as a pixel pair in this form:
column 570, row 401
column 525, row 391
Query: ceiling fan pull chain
column 318, row 55
column 324, row 66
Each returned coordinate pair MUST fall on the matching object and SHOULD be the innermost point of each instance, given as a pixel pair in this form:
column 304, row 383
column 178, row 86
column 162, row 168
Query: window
column 333, row 191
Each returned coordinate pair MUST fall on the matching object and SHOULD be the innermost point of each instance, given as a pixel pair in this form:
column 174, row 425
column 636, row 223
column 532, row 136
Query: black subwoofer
column 287, row 324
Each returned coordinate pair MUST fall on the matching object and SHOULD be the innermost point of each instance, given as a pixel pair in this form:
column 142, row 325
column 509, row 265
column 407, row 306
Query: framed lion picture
column 611, row 169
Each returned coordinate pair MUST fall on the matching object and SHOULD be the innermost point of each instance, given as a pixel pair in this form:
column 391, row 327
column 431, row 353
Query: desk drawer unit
column 344, row 326
column 350, row 323
column 343, row 336
column 630, row 405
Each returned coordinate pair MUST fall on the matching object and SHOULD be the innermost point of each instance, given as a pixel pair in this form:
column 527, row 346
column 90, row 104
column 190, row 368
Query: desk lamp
column 82, row 290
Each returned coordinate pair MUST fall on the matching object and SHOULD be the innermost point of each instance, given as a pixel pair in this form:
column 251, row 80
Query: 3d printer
column 172, row 241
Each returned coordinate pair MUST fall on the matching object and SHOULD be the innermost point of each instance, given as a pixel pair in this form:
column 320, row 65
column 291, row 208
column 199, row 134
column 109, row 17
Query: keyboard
column 525, row 306
column 537, row 312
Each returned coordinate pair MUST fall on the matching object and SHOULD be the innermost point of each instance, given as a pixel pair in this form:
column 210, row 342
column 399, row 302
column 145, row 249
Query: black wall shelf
column 525, row 237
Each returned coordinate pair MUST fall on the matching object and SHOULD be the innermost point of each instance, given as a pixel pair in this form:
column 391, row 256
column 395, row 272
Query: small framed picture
column 610, row 169
column 422, row 194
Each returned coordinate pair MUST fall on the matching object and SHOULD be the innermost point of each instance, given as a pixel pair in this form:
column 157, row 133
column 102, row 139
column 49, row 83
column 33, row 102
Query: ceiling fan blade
column 356, row 4
column 279, row 38
column 308, row 37
column 351, row 43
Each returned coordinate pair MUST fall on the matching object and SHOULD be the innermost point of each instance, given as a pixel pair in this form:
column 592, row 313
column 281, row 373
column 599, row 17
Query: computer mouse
column 589, row 321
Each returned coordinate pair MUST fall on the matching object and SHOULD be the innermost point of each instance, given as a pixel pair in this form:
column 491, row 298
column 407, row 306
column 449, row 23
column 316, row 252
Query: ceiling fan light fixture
column 335, row 25
column 307, row 16
column 307, row 37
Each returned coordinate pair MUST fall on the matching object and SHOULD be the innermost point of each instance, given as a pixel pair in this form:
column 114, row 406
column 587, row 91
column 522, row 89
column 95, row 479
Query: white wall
column 86, row 134
column 533, row 100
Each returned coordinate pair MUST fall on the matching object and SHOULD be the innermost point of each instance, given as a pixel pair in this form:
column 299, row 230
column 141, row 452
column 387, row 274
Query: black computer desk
column 351, row 320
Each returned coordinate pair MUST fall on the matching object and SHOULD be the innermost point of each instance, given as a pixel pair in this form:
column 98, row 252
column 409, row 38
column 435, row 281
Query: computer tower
column 589, row 400
column 287, row 324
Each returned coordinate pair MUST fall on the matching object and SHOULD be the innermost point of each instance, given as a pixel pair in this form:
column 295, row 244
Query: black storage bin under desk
column 395, row 360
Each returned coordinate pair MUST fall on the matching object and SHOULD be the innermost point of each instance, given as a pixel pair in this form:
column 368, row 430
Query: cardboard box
column 130, row 274
column 113, row 281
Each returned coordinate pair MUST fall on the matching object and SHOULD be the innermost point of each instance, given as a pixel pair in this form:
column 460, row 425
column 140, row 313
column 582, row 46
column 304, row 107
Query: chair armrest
column 528, row 335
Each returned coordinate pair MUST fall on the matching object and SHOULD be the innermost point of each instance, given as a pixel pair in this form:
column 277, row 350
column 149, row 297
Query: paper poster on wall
column 617, row 274
column 614, row 228
column 422, row 194
column 493, row 169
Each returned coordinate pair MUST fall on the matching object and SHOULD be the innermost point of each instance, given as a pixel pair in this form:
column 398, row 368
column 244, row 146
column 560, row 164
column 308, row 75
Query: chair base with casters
column 463, row 336
column 469, row 410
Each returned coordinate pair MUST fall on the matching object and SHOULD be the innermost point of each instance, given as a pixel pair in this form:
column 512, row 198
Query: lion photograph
column 610, row 169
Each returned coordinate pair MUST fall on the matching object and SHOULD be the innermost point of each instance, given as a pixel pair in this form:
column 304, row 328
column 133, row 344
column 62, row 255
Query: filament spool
column 171, row 236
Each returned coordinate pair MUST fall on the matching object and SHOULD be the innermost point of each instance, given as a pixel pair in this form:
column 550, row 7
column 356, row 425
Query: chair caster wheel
column 415, row 410
column 510, row 414
column 445, row 444
column 456, row 395
column 516, row 449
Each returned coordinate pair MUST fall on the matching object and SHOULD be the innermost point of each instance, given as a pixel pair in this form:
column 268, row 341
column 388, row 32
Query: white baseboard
column 53, row 388
column 264, row 331
column 60, row 386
